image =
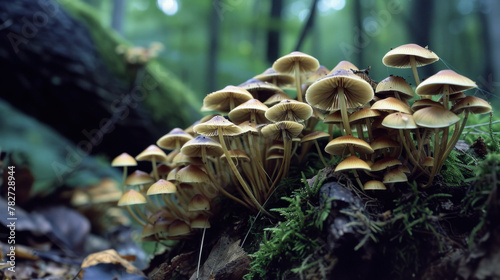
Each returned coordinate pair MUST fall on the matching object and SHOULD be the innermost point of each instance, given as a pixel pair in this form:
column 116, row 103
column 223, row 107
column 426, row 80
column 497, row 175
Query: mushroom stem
column 134, row 216
column 456, row 135
column 320, row 153
column 124, row 178
column 435, row 155
column 296, row 71
column 343, row 111
column 155, row 170
column 256, row 163
column 237, row 173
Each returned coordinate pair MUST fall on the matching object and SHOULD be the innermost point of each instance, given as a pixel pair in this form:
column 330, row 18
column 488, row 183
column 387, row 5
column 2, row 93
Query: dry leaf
column 112, row 257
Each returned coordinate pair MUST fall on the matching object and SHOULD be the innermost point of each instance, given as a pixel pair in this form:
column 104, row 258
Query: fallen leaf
column 110, row 257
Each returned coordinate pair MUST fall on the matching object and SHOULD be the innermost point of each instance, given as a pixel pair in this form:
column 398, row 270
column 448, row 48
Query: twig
column 481, row 124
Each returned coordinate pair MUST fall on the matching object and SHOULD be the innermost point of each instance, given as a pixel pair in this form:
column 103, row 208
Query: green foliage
column 457, row 168
column 294, row 239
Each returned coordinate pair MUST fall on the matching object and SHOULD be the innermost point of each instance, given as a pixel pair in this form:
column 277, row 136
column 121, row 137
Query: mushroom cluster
column 245, row 149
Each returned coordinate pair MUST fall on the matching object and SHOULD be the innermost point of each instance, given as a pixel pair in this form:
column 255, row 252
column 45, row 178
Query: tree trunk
column 358, row 21
column 308, row 26
column 420, row 27
column 274, row 32
column 213, row 48
column 491, row 77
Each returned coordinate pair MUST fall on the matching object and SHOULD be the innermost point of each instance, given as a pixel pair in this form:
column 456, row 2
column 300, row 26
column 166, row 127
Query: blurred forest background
column 65, row 100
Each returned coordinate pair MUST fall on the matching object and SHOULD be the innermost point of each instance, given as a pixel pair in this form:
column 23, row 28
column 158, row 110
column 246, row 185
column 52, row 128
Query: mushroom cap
column 435, row 117
column 364, row 113
column 289, row 110
column 161, row 187
column 211, row 127
column 435, row 84
column 260, row 90
column 316, row 75
column 385, row 163
column 383, row 142
column 323, row 94
column 131, row 197
column 399, row 120
column 274, row 156
column 237, row 154
column 344, row 64
column 391, row 104
column 243, row 111
column 178, row 228
column 198, row 203
column 395, row 83
column 423, row 103
column 193, row 147
column 275, row 130
column 220, row 100
column 124, row 159
column 276, row 98
column 286, row 64
column 276, row 145
column 175, row 137
column 163, row 170
column 400, row 57
column 172, row 175
column 374, row 185
column 395, row 176
column 191, row 174
column 315, row 135
column 200, row 221
column 335, row 117
column 340, row 144
column 472, row 104
column 249, row 127
column 182, row 160
column 150, row 153
column 138, row 177
column 352, row 162
column 270, row 76
column 428, row 162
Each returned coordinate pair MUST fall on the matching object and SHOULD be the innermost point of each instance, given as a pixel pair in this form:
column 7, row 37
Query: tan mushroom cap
column 249, row 127
column 152, row 152
column 211, row 127
column 124, row 159
column 363, row 114
column 275, row 130
column 276, row 98
column 237, row 154
column 435, row 117
column 435, row 84
column 193, row 147
column 276, row 145
column 172, row 175
column 244, row 111
column 335, row 117
column 344, row 64
column 395, row 176
column 404, row 169
column 178, row 228
column 341, row 144
column 315, row 135
column 274, row 156
column 391, row 104
column 221, row 100
column 174, row 139
column 260, row 90
column 352, row 162
column 289, row 110
column 182, row 160
column 191, row 174
column 138, row 177
column 276, row 78
column 374, row 185
column 132, row 197
column 161, row 187
column 385, row 163
column 198, row 203
column 324, row 93
column 384, row 142
column 286, row 64
column 311, row 77
column 200, row 221
column 395, row 83
column 423, row 103
column 399, row 121
column 400, row 57
column 472, row 104
column 428, row 162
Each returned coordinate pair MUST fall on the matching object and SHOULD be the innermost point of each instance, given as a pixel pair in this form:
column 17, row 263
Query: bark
column 274, row 32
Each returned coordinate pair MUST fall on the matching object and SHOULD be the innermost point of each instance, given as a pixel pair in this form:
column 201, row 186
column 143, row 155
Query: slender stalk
column 134, row 216
column 320, row 153
column 343, row 111
column 296, row 68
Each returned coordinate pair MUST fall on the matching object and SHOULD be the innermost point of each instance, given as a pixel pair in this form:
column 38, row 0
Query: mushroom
column 314, row 136
column 298, row 63
column 395, row 86
column 124, row 160
column 260, row 90
column 174, row 139
column 135, row 198
column 153, row 154
column 252, row 110
column 276, row 78
column 289, row 110
column 226, row 99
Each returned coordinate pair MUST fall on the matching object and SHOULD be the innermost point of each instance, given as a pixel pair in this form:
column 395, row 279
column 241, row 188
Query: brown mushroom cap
column 194, row 146
column 221, row 100
column 174, row 139
column 344, row 64
column 435, row 117
column 198, row 202
column 352, row 162
column 200, row 221
column 473, row 104
column 395, row 83
column 395, row 176
column 178, row 228
column 260, row 90
column 323, row 94
column 152, row 152
column 161, row 187
column 275, row 130
column 383, row 142
column 435, row 83
column 399, row 121
column 428, row 162
column 400, row 57
column 364, row 113
column 244, row 111
column 191, row 174
column 289, row 110
column 315, row 135
column 211, row 127
column 341, row 144
column 132, row 197
column 374, row 185
column 391, row 104
column 316, row 75
column 423, row 103
column 278, row 79
column 138, row 178
column 276, row 98
column 182, row 160
column 124, row 159
column 286, row 64
column 385, row 163
column 335, row 117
